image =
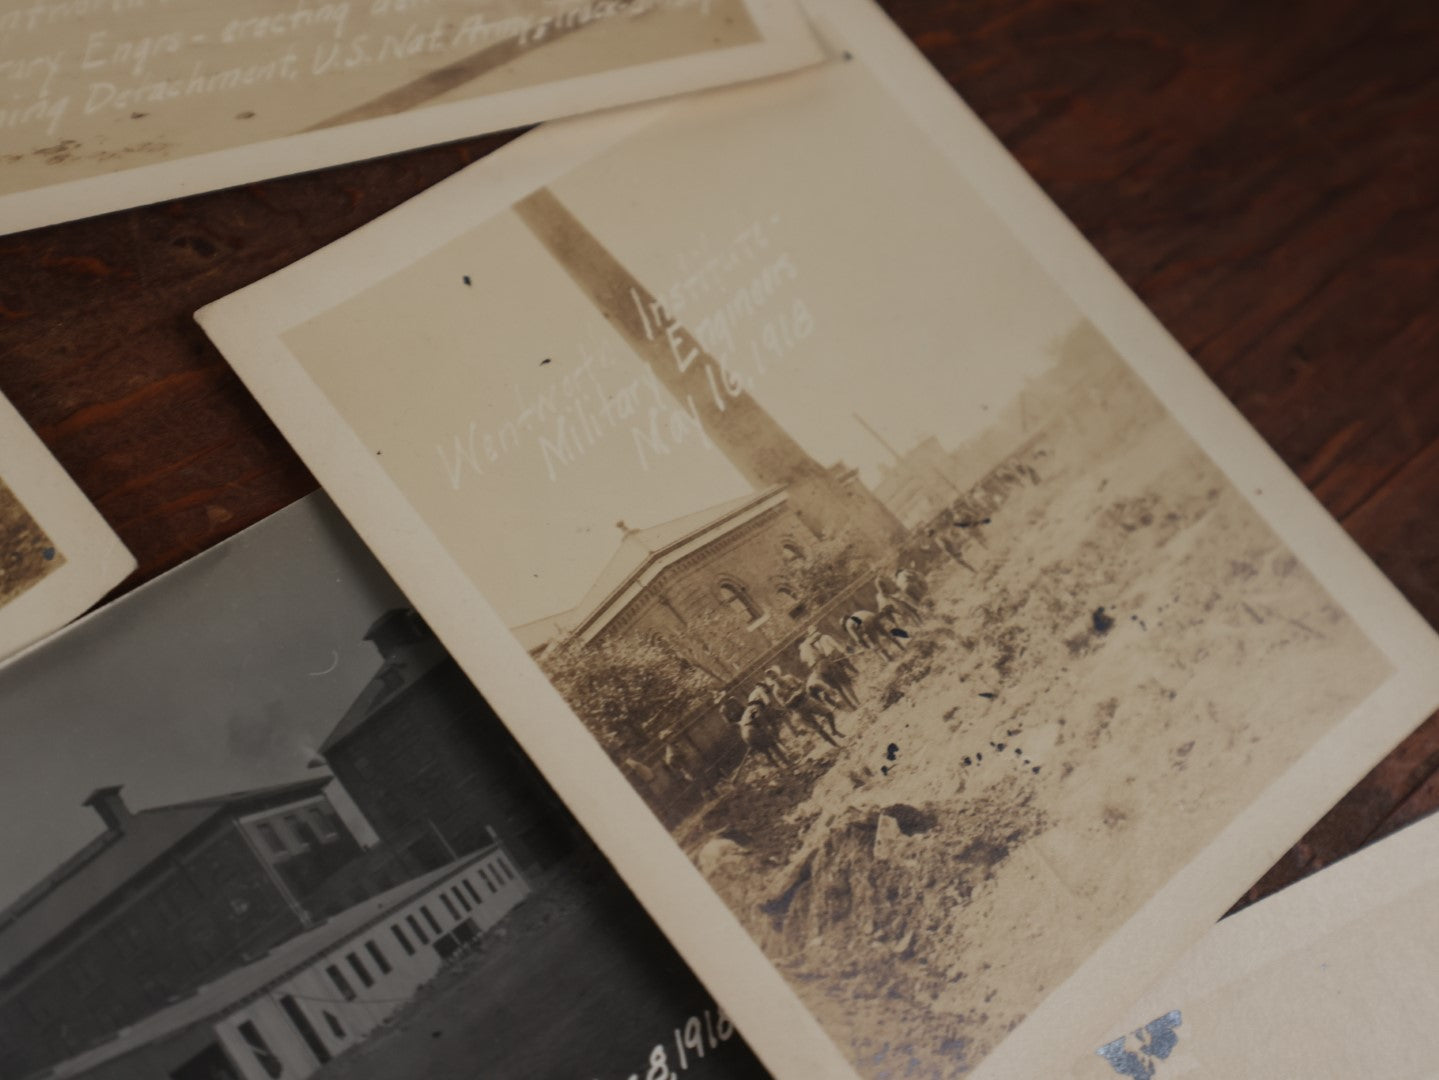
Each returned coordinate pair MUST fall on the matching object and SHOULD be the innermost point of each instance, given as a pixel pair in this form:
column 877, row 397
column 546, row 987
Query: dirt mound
column 888, row 876
column 757, row 813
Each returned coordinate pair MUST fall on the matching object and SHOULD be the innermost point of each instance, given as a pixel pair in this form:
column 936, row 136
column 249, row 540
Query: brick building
column 720, row 587
column 162, row 901
column 428, row 763
column 731, row 590
column 318, row 994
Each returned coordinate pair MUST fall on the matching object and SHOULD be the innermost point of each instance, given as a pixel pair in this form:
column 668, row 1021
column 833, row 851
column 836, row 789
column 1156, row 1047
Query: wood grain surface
column 1262, row 174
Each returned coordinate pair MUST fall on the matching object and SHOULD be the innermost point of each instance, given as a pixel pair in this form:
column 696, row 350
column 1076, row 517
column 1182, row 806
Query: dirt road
column 1134, row 656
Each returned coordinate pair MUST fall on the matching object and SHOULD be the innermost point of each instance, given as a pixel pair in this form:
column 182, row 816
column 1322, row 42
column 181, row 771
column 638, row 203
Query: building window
column 418, row 930
column 404, row 941
column 504, row 865
column 474, row 894
column 272, row 838
column 378, row 957
column 793, row 605
column 301, row 1020
column 341, row 983
column 737, row 598
column 322, row 823
column 360, row 969
column 336, row 1028
column 792, row 552
column 263, row 1054
column 303, row 831
column 458, row 895
column 485, row 876
column 434, row 924
column 450, row 906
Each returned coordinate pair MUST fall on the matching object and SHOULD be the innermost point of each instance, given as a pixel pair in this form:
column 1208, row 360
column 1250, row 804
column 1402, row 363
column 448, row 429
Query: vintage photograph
column 57, row 554
column 26, row 553
column 103, row 89
column 935, row 641
column 261, row 826
column 934, row 651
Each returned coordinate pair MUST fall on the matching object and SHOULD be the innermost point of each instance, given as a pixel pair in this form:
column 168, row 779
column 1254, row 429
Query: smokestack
column 110, row 805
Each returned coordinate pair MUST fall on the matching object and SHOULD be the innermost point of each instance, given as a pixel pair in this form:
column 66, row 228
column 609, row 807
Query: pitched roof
column 642, row 548
column 91, row 876
column 409, row 663
column 542, row 631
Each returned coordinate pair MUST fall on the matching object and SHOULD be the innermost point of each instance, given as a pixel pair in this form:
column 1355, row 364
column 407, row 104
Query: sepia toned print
column 295, row 842
column 27, row 553
column 933, row 638
column 57, row 555
column 106, row 88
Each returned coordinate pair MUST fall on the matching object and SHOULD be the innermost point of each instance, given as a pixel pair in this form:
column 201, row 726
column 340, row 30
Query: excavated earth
column 1133, row 658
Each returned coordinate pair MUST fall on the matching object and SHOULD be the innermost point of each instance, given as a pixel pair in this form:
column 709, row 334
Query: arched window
column 790, row 601
column 792, row 552
column 737, row 597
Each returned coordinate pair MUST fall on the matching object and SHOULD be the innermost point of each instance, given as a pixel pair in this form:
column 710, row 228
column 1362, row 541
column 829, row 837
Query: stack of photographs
column 928, row 644
column 787, row 565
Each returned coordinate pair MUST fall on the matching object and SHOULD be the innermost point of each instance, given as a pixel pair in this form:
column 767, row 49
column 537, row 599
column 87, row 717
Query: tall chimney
column 754, row 442
column 110, row 805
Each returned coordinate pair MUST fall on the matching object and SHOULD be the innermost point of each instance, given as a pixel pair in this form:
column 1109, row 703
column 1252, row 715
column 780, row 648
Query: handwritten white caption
column 747, row 317
column 55, row 60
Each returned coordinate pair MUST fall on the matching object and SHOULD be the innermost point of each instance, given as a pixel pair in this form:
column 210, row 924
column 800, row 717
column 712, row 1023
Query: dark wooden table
column 1262, row 174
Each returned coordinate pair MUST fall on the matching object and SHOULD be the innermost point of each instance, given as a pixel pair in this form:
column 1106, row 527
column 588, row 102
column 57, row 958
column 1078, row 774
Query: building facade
column 322, row 992
column 722, row 588
column 427, row 762
column 162, row 901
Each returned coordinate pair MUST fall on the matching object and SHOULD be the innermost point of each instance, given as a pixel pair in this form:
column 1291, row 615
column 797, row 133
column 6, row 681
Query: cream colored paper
column 1331, row 979
column 57, row 555
column 513, row 388
column 106, row 104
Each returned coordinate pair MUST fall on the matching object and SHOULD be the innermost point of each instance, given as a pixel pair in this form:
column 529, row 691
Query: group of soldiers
column 783, row 706
column 781, row 702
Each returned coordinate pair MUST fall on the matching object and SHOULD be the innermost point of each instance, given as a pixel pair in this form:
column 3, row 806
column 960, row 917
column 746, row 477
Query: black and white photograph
column 935, row 623
column 261, row 826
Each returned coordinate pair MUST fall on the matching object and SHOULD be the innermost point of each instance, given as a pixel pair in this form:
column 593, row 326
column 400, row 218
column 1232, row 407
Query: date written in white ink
column 700, row 1034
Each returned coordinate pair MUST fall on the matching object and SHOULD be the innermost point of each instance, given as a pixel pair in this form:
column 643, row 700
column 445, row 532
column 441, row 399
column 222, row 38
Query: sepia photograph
column 100, row 90
column 921, row 615
column 261, row 826
column 27, row 553
column 57, row 554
